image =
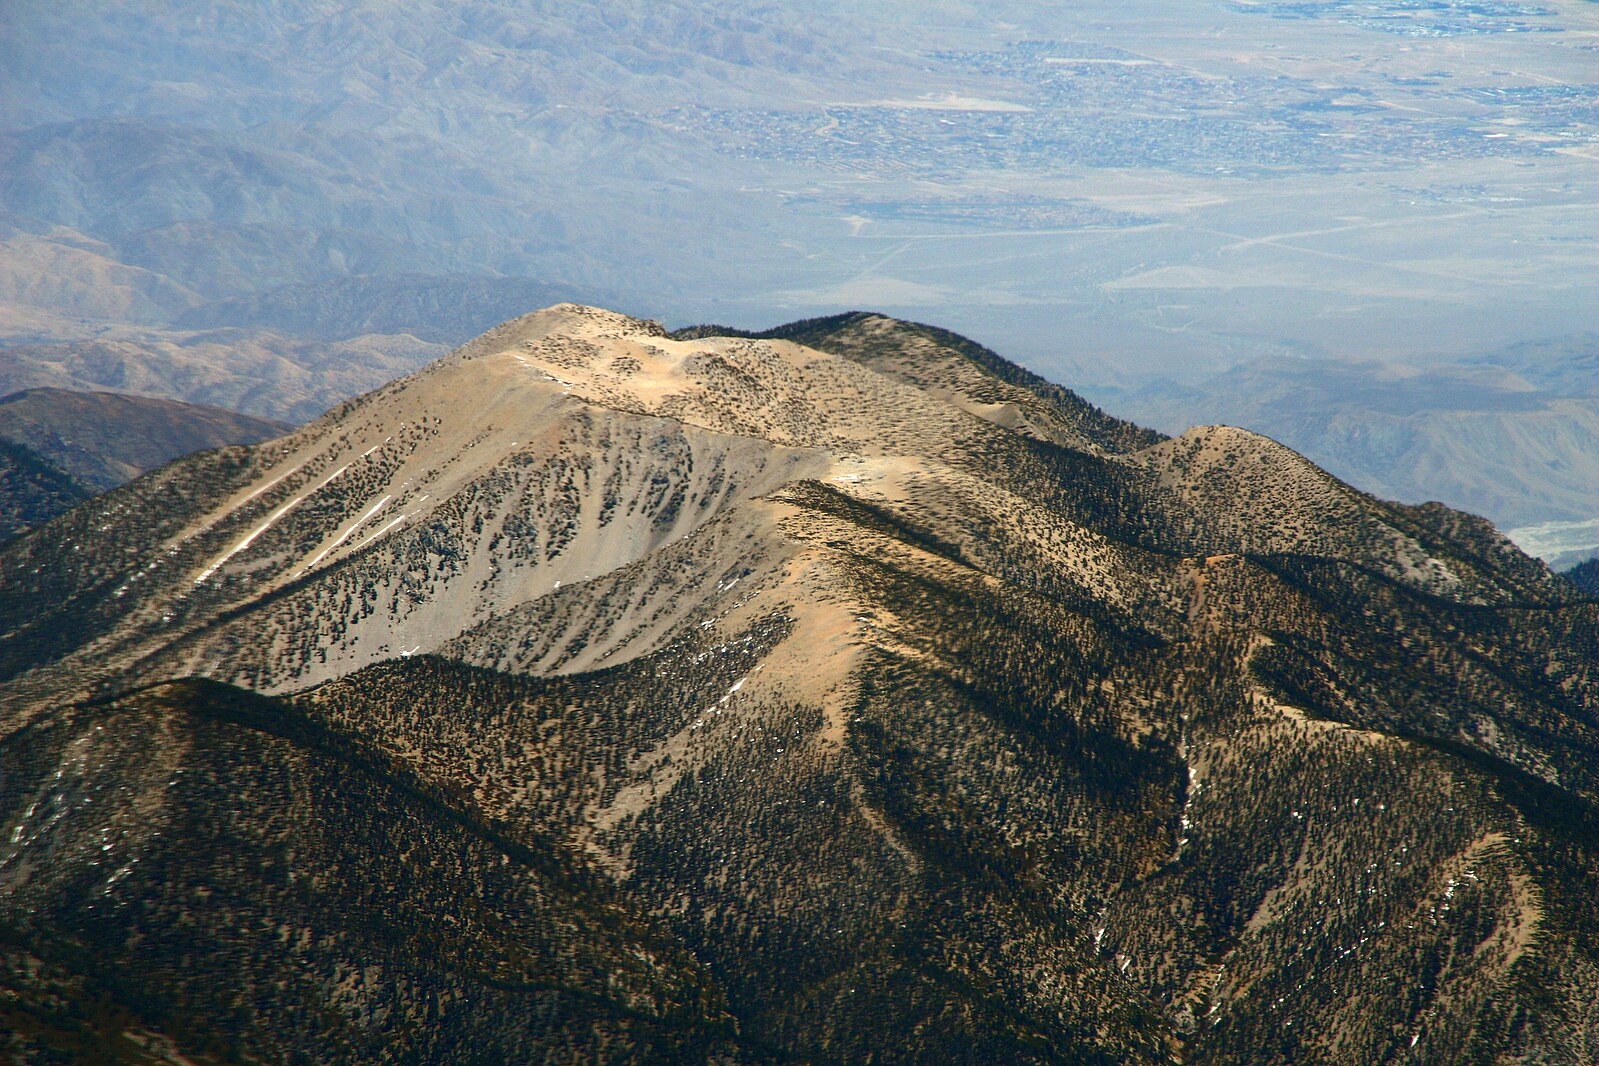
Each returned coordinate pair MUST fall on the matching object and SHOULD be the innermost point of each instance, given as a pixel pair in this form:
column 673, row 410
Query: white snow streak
column 264, row 526
column 384, row 530
column 293, row 469
column 376, row 507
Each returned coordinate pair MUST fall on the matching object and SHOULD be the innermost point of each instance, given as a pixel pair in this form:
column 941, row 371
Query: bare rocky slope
column 837, row 694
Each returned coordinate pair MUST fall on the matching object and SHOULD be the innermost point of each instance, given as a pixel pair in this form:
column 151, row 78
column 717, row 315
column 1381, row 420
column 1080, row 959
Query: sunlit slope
column 551, row 451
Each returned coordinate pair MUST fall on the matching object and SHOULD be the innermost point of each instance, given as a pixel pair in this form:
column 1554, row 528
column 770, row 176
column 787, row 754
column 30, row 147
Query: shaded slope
column 32, row 491
column 1585, row 576
column 104, row 439
column 1200, row 836
column 324, row 907
column 806, row 850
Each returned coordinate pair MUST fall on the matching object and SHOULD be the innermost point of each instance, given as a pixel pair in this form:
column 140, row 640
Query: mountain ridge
column 105, row 439
column 1507, row 434
column 881, row 685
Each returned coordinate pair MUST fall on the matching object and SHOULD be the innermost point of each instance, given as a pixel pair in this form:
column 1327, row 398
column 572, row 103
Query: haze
column 1118, row 194
column 1193, row 181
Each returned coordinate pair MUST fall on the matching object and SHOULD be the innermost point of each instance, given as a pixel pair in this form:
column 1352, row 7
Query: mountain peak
column 846, row 390
column 585, row 319
column 863, row 671
column 562, row 319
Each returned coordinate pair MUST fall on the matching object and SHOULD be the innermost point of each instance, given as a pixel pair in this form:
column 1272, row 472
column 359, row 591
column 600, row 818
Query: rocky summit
column 838, row 694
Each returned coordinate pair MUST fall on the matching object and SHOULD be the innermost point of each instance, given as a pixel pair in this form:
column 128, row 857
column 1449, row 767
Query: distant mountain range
column 1007, row 166
column 838, row 693
column 257, row 372
column 164, row 161
column 440, row 310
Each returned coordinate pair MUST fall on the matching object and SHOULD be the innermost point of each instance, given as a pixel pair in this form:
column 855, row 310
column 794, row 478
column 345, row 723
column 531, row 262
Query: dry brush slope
column 883, row 680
